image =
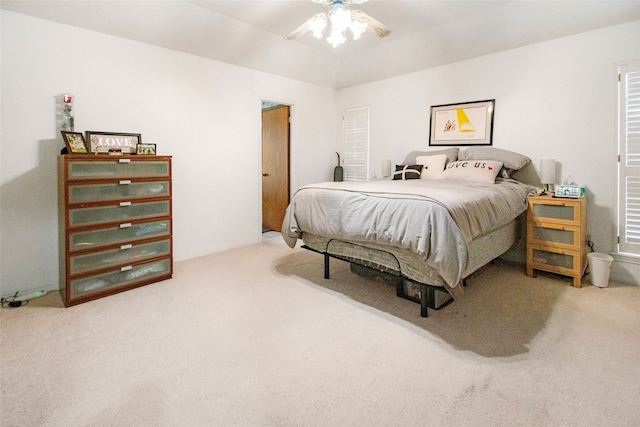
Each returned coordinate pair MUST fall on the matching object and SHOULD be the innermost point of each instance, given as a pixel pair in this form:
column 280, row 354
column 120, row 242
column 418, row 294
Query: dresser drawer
column 124, row 277
column 562, row 236
column 123, row 212
column 128, row 253
column 124, row 233
column 124, row 189
column 117, row 168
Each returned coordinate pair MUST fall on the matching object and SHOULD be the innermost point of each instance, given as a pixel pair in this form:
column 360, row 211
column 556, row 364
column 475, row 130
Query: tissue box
column 571, row 191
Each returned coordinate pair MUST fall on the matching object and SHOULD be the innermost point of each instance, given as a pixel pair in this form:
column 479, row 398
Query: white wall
column 204, row 113
column 553, row 100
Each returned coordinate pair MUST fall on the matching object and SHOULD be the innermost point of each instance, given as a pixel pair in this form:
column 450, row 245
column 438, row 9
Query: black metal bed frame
column 426, row 296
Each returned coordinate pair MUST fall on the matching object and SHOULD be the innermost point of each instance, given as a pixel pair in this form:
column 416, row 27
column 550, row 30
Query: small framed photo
column 146, row 149
column 469, row 123
column 103, row 142
column 75, row 142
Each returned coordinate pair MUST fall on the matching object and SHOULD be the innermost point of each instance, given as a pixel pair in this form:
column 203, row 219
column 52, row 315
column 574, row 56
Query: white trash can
column 599, row 266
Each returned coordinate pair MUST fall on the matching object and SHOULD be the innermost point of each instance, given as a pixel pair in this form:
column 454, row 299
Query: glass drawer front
column 565, row 213
column 115, row 191
column 118, row 213
column 123, row 234
column 553, row 259
column 125, row 254
column 544, row 234
column 120, row 168
column 120, row 278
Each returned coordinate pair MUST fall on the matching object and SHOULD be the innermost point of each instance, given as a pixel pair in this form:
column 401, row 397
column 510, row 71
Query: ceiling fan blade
column 304, row 28
column 374, row 26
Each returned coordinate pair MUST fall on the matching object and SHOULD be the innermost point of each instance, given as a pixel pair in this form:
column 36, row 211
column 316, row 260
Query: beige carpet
column 256, row 337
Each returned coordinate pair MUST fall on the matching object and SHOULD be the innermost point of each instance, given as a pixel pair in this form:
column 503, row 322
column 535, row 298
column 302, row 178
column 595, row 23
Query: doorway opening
column 276, row 160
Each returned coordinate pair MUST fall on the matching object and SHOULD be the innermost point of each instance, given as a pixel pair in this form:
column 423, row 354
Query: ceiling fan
column 342, row 18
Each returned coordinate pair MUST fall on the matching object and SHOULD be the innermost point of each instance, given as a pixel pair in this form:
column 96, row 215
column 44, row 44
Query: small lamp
column 548, row 173
column 386, row 168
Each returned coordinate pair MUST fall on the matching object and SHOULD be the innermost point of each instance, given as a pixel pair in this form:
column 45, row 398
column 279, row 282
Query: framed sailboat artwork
column 468, row 123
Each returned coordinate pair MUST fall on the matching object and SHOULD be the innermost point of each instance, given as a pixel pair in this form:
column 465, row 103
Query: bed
column 445, row 214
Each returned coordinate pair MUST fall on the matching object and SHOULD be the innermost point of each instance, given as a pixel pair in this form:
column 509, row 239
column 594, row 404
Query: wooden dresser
column 557, row 236
column 115, row 224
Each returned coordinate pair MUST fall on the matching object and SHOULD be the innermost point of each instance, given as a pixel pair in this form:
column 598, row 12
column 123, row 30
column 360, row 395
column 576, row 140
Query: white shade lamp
column 386, row 168
column 548, row 173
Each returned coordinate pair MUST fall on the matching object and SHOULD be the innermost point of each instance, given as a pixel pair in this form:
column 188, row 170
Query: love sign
column 102, row 142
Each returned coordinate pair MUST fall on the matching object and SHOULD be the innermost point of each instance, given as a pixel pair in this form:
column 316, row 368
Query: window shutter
column 629, row 164
column 356, row 144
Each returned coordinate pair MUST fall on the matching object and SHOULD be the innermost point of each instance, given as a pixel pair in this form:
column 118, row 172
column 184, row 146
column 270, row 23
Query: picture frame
column 465, row 123
column 75, row 142
column 146, row 149
column 102, row 142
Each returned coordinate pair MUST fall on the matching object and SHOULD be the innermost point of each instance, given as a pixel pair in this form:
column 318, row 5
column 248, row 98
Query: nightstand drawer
column 561, row 236
column 554, row 260
column 558, row 211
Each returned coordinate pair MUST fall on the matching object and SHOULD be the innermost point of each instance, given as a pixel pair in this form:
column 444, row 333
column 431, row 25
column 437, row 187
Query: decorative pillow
column 451, row 153
column 404, row 172
column 472, row 170
column 506, row 173
column 510, row 159
column 433, row 165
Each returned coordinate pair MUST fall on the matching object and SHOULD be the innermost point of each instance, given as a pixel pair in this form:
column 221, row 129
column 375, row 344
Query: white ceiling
column 251, row 33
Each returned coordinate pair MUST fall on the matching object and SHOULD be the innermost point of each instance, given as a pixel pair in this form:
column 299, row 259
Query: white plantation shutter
column 356, row 144
column 629, row 164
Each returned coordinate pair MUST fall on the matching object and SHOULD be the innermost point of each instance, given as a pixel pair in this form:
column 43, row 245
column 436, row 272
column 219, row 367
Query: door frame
column 292, row 153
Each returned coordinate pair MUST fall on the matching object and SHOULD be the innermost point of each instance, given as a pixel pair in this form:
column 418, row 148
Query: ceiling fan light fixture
column 340, row 17
column 358, row 28
column 336, row 38
column 317, row 26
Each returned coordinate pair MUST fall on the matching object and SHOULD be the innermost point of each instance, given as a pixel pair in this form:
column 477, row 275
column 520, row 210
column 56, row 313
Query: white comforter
column 433, row 218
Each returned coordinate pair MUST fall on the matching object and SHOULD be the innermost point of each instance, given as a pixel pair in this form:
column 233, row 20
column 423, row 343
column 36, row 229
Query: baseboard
column 625, row 269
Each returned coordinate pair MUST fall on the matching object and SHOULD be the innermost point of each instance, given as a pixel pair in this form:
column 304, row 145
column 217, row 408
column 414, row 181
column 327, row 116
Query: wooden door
column 275, row 166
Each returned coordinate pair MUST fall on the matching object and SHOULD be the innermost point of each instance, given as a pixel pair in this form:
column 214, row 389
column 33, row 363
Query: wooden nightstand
column 557, row 236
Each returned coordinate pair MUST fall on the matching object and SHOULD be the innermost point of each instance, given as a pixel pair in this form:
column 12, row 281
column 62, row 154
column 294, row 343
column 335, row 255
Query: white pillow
column 433, row 165
column 472, row 170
